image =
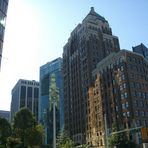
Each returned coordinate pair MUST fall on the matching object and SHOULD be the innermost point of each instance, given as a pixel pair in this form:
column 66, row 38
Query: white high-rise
column 25, row 94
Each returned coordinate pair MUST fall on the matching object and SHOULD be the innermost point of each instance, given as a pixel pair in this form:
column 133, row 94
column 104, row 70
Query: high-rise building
column 141, row 49
column 3, row 14
column 89, row 43
column 45, row 102
column 5, row 114
column 119, row 94
column 25, row 94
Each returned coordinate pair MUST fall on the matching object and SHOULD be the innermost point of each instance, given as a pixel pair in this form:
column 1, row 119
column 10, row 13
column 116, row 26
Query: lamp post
column 54, row 125
column 54, row 96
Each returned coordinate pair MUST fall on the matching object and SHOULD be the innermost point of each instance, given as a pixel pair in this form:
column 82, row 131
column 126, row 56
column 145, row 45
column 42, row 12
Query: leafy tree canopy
column 24, row 119
column 5, row 130
column 13, row 142
column 120, row 139
column 24, row 126
column 64, row 140
column 36, row 136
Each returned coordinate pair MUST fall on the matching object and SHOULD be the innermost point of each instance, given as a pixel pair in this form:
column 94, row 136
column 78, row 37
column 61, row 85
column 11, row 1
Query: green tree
column 120, row 139
column 36, row 136
column 13, row 142
column 27, row 130
column 24, row 123
column 5, row 131
column 64, row 140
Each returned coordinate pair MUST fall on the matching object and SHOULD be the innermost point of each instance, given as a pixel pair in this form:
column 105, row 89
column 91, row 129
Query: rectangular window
column 125, row 94
column 142, row 113
column 122, row 68
column 138, row 123
column 136, row 103
column 124, row 114
column 122, row 96
column 123, row 77
column 143, row 94
column 128, row 113
column 123, row 106
column 141, row 103
column 36, row 92
column 131, row 75
column 23, row 96
column 121, row 88
column 126, row 105
column 124, row 85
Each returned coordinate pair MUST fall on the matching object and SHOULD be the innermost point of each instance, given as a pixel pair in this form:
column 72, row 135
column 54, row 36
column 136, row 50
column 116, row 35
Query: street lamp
column 54, row 96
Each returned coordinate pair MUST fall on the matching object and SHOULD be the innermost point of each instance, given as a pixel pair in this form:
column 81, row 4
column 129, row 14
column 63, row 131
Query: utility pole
column 54, row 96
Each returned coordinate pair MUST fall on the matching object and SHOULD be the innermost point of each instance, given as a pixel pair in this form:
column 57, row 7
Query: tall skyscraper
column 89, row 43
column 45, row 103
column 141, row 49
column 120, row 92
column 3, row 12
column 25, row 94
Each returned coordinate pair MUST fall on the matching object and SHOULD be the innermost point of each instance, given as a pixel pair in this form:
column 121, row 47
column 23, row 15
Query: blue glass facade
column 45, row 113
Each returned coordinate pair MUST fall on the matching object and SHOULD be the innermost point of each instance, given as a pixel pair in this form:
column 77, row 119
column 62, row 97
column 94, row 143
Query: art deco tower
column 3, row 11
column 89, row 43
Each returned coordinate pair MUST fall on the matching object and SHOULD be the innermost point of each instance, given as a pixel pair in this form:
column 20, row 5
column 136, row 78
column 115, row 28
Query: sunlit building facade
column 45, row 102
column 25, row 94
column 3, row 14
column 119, row 92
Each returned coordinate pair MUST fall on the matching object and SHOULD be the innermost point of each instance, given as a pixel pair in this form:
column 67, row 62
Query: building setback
column 120, row 91
column 88, row 44
column 25, row 94
column 45, row 102
column 141, row 49
column 3, row 14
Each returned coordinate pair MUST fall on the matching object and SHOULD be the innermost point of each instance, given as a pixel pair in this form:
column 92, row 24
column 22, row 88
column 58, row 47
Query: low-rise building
column 5, row 114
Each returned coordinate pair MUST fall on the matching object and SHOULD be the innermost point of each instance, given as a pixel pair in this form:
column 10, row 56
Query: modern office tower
column 25, row 94
column 119, row 92
column 45, row 102
column 89, row 43
column 141, row 49
column 5, row 114
column 3, row 12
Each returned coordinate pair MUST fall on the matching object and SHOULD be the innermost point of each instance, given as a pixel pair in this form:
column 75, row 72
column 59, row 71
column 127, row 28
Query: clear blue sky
column 37, row 30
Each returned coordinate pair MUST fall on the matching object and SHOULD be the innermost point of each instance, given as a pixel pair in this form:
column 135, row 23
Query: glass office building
column 45, row 107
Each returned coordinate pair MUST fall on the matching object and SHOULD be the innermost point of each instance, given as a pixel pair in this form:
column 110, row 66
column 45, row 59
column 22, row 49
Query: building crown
column 92, row 12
